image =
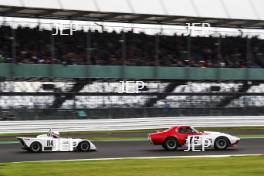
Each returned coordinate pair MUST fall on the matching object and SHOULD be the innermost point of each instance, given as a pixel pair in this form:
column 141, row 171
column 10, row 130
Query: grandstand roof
column 220, row 13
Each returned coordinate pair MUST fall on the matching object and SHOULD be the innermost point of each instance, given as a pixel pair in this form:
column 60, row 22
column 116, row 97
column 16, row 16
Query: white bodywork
column 50, row 143
column 208, row 138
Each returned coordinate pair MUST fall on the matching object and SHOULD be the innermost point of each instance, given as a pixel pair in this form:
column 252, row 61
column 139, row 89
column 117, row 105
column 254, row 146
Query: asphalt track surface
column 119, row 149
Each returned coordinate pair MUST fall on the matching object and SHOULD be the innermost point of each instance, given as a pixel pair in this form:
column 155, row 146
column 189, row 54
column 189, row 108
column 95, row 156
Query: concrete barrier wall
column 127, row 124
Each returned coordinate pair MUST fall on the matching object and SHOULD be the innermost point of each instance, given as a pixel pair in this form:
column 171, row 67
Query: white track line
column 150, row 157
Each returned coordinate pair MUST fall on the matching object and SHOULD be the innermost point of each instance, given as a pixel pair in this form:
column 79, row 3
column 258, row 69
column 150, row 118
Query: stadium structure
column 45, row 76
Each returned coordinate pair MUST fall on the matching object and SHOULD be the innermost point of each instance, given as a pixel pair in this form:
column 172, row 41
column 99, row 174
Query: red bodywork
column 159, row 138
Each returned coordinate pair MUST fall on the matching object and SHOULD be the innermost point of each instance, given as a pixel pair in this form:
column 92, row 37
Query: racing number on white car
column 49, row 143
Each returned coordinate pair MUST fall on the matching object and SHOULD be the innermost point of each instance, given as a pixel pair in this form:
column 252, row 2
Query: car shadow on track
column 181, row 150
column 48, row 152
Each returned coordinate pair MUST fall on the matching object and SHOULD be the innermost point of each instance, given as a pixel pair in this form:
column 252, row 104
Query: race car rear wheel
column 35, row 147
column 84, row 146
column 221, row 143
column 170, row 144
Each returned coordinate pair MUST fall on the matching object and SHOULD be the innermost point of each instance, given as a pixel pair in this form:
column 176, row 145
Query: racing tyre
column 221, row 143
column 84, row 146
column 35, row 147
column 171, row 144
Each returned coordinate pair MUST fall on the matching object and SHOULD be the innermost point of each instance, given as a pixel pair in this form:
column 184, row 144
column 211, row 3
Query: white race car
column 53, row 142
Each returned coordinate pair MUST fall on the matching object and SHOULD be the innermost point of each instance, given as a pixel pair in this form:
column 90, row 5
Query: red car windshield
column 193, row 130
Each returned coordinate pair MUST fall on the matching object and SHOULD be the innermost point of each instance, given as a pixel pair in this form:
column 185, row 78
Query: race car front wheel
column 170, row 144
column 221, row 143
column 84, row 146
column 35, row 147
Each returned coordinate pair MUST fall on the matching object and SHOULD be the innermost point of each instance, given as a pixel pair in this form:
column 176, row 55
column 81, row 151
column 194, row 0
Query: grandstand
column 45, row 76
column 33, row 47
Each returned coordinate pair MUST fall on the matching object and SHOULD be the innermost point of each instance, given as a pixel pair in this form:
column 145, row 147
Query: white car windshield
column 54, row 134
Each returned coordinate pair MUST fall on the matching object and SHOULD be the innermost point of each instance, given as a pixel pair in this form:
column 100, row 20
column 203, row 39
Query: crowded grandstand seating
column 36, row 46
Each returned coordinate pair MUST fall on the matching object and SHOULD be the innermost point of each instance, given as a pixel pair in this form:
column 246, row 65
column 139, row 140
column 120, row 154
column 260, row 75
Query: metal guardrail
column 128, row 123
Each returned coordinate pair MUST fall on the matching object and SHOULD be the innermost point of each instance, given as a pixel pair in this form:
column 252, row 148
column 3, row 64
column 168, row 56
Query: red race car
column 177, row 136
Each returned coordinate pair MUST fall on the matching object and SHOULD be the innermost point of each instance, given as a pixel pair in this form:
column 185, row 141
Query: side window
column 182, row 130
column 189, row 131
column 186, row 130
